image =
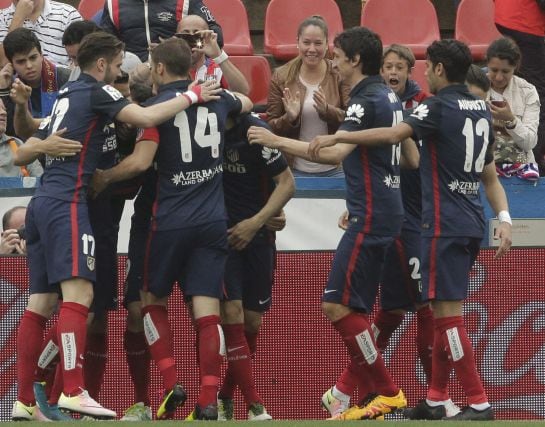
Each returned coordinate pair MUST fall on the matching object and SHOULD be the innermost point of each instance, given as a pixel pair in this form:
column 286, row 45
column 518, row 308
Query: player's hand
column 57, row 146
column 10, row 242
column 6, row 76
column 24, row 9
column 503, row 234
column 319, row 142
column 242, row 233
column 203, row 92
column 292, row 104
column 210, row 46
column 260, row 135
column 277, row 223
column 320, row 102
column 20, row 92
column 98, row 184
column 502, row 113
column 343, row 221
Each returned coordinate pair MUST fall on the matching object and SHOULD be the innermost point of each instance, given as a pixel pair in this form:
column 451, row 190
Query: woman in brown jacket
column 306, row 96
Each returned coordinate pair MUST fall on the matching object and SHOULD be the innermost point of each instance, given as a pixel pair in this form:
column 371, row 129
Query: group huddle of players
column 213, row 185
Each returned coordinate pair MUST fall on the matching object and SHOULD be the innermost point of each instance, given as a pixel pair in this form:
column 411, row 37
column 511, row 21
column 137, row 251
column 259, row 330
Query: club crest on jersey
column 113, row 92
column 354, row 113
column 420, row 112
column 232, row 155
column 90, row 263
column 464, row 187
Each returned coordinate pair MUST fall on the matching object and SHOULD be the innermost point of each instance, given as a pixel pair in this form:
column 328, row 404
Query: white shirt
column 49, row 28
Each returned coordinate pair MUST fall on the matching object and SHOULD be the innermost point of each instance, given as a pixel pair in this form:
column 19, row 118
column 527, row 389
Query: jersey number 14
column 211, row 139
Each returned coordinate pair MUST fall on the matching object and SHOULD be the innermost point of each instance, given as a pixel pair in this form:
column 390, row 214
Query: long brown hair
column 294, row 66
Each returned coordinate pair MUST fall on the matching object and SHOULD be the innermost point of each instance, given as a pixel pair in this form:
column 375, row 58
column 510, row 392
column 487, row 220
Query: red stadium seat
column 88, row 8
column 412, row 23
column 475, row 26
column 417, row 74
column 283, row 18
column 257, row 71
column 232, row 16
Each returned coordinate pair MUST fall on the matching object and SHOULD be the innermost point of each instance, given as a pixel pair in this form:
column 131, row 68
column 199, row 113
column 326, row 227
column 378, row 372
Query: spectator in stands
column 477, row 81
column 397, row 64
column 141, row 25
column 71, row 40
column 524, row 22
column 46, row 18
column 12, row 240
column 208, row 60
column 24, row 52
column 515, row 107
column 307, row 97
column 8, row 146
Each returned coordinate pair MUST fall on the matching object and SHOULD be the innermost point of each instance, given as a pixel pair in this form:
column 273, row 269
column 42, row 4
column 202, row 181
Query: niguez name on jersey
column 190, row 160
column 456, row 132
column 248, row 170
column 86, row 108
column 372, row 174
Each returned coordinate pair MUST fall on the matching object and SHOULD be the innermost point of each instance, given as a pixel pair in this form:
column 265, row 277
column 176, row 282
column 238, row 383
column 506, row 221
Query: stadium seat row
column 413, row 23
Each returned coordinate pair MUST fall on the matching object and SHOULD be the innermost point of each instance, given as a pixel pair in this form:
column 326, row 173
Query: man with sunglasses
column 208, row 60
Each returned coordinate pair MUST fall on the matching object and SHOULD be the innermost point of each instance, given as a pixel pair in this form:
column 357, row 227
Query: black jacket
column 139, row 22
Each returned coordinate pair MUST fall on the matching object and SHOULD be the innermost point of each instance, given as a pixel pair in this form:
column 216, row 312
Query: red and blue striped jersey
column 189, row 160
column 456, row 132
column 372, row 173
column 86, row 108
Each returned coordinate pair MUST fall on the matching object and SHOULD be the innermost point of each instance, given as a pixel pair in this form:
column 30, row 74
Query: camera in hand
column 193, row 40
column 22, row 232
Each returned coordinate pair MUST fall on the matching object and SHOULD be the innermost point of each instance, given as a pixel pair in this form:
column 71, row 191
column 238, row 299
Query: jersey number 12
column 481, row 129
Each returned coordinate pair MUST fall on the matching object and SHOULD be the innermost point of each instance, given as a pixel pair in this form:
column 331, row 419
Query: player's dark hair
column 294, row 66
column 140, row 92
column 366, row 43
column 20, row 41
column 455, row 57
column 8, row 214
column 477, row 77
column 98, row 45
column 504, row 48
column 77, row 30
column 174, row 54
column 402, row 51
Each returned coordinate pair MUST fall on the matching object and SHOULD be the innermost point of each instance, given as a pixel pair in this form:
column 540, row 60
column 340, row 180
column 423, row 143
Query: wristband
column 512, row 124
column 503, row 216
column 222, row 57
column 191, row 96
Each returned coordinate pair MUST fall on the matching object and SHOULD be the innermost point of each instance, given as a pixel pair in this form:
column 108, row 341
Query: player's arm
column 54, row 145
column 148, row 117
column 498, row 202
column 332, row 155
column 367, row 137
column 243, row 232
column 234, row 77
column 247, row 104
column 134, row 164
column 410, row 156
